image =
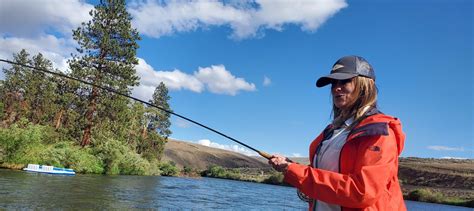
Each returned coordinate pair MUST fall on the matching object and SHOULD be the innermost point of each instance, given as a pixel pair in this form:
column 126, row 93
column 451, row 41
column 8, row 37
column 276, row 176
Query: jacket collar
column 362, row 128
column 369, row 126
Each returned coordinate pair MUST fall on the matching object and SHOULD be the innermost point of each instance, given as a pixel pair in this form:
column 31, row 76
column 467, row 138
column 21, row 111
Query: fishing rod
column 261, row 153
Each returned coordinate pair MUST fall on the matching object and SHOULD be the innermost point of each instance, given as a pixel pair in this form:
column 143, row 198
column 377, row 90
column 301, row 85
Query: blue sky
column 248, row 68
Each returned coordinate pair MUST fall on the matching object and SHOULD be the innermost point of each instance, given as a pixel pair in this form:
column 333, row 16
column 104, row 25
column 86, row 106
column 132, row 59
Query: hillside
column 200, row 157
column 453, row 178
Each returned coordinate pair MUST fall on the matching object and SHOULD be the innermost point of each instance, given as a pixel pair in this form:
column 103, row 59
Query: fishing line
column 263, row 154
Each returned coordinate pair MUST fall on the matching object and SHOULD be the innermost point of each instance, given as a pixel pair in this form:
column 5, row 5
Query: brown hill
column 452, row 177
column 200, row 157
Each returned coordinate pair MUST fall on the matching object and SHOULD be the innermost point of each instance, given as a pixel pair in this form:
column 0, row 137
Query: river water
column 23, row 190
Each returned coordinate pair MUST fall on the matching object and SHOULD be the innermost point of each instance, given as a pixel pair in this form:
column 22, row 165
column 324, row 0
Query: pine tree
column 156, row 127
column 160, row 120
column 29, row 93
column 66, row 104
column 40, row 91
column 106, row 58
column 13, row 89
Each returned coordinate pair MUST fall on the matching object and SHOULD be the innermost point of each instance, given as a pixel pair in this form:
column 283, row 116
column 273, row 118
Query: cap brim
column 325, row 80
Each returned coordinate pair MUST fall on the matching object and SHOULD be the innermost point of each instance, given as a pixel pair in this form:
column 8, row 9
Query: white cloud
column 266, row 81
column 174, row 80
column 143, row 92
column 294, row 155
column 297, row 155
column 246, row 18
column 53, row 48
column 445, row 148
column 215, row 79
column 234, row 147
column 455, row 158
column 26, row 18
column 220, row 81
column 163, row 18
column 41, row 26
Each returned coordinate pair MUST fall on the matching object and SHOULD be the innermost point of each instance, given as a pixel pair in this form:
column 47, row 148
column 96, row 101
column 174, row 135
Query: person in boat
column 354, row 161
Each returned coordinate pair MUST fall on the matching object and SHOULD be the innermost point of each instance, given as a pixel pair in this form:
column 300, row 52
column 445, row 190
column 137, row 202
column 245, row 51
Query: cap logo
column 336, row 67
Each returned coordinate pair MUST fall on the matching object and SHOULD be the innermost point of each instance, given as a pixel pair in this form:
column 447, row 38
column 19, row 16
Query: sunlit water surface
column 23, row 190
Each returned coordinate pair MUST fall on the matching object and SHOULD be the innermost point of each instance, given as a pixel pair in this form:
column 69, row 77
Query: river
column 23, row 190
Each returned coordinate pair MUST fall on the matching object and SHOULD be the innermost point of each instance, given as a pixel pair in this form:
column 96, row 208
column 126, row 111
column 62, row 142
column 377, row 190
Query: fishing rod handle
column 268, row 156
column 265, row 155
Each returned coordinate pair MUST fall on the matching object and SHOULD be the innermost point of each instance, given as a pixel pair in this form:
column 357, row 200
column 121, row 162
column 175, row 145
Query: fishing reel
column 302, row 196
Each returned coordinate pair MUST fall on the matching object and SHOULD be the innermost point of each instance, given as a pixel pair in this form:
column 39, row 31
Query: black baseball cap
column 347, row 67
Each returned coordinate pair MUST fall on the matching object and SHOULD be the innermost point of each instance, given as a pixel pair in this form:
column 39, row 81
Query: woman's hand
column 279, row 163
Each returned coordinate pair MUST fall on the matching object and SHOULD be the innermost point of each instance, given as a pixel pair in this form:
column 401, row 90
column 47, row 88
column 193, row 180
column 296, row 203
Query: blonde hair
column 365, row 92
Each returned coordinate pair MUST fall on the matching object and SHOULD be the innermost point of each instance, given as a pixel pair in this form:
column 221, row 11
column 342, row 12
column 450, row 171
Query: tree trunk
column 90, row 117
column 59, row 117
column 144, row 132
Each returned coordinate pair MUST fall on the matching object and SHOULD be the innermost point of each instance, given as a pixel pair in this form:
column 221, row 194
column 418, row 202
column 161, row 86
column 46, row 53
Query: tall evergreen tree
column 107, row 56
column 66, row 102
column 156, row 126
column 2, row 103
column 160, row 120
column 13, row 88
column 29, row 93
column 40, row 91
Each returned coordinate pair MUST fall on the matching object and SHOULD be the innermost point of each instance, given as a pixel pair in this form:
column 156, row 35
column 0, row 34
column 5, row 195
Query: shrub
column 83, row 161
column 220, row 172
column 133, row 164
column 24, row 143
column 233, row 174
column 40, row 144
column 425, row 195
column 168, row 169
column 215, row 171
column 118, row 158
column 187, row 170
column 66, row 154
column 154, row 168
column 20, row 145
column 275, row 179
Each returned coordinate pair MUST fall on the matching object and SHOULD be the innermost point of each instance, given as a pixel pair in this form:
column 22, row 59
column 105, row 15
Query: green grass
column 220, row 172
column 21, row 145
column 427, row 195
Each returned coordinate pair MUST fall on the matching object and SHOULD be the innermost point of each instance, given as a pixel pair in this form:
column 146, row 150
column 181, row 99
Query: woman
column 354, row 161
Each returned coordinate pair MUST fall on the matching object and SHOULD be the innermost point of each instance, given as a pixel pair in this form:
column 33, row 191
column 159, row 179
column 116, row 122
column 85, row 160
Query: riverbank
column 457, row 196
column 442, row 181
column 449, row 196
column 117, row 192
column 445, row 181
column 26, row 143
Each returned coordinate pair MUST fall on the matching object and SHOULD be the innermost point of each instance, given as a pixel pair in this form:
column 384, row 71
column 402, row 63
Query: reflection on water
column 22, row 190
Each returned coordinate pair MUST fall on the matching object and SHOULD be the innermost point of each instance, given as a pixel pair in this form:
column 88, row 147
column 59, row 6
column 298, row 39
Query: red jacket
column 368, row 168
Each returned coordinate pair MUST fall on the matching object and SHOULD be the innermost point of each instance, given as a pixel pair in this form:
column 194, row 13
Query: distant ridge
column 199, row 157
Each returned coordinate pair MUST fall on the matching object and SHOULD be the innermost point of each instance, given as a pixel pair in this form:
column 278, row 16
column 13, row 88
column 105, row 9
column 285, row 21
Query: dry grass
column 200, row 157
column 12, row 166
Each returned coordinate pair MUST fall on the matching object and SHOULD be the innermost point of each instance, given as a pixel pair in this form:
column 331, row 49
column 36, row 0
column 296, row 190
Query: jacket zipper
column 316, row 166
column 340, row 154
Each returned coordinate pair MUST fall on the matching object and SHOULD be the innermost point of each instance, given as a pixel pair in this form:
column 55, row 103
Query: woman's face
column 342, row 93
